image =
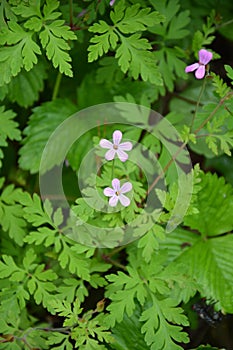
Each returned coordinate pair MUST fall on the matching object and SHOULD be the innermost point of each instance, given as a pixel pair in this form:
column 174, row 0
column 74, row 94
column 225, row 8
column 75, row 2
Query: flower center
column 115, row 147
column 118, row 193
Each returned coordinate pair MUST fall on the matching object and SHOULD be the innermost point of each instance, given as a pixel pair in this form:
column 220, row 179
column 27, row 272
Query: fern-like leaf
column 21, row 51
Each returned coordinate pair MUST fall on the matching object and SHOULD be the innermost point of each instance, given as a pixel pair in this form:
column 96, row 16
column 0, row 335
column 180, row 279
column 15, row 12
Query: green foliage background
column 57, row 58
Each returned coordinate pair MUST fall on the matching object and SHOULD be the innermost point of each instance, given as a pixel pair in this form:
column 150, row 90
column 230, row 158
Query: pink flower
column 111, row 3
column 204, row 58
column 116, row 193
column 116, row 147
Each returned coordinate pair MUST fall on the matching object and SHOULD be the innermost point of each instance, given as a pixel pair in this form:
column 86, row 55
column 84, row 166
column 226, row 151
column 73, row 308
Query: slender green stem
column 57, row 86
column 115, row 251
column 113, row 262
column 113, row 168
column 184, row 98
column 224, row 24
column 198, row 103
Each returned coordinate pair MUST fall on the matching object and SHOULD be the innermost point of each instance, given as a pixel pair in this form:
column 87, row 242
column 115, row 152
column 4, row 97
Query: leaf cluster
column 124, row 36
column 19, row 41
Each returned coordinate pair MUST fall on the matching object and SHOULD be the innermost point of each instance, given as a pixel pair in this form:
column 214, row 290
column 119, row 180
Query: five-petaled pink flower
column 117, row 193
column 116, row 147
column 204, row 58
column 111, row 3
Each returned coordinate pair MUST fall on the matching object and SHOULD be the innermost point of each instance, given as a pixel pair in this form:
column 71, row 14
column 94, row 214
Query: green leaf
column 13, row 302
column 134, row 56
column 22, row 54
column 108, row 71
column 150, row 242
column 42, row 293
column 26, row 86
column 174, row 24
column 28, row 259
column 170, row 63
column 177, row 26
column 218, row 134
column 76, row 263
column 23, row 9
column 46, row 236
column 8, row 266
column 126, row 289
column 42, row 123
column 133, row 53
column 204, row 37
column 229, row 71
column 70, row 312
column 72, row 289
column 58, row 217
column 135, row 19
column 159, row 333
column 61, row 339
column 11, row 214
column 214, row 203
column 54, row 39
column 127, row 334
column 34, row 24
column 6, row 13
column 221, row 88
column 215, row 255
column 49, row 10
column 101, row 43
column 54, row 36
column 33, row 211
column 8, row 128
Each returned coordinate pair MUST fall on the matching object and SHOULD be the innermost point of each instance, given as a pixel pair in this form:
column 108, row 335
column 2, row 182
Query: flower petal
column 200, row 72
column 126, row 187
column 126, row 146
column 109, row 192
column 117, row 136
column 105, row 143
column 125, row 201
column 116, row 185
column 122, row 155
column 192, row 67
column 113, row 201
column 110, row 154
column 205, row 56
